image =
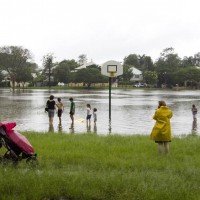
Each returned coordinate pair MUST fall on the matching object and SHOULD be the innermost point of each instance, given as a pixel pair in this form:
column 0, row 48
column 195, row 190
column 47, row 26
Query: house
column 137, row 75
column 85, row 65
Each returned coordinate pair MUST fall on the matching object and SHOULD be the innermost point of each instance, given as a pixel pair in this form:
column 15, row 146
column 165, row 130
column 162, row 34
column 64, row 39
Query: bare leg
column 59, row 121
column 166, row 144
column 72, row 118
column 160, row 147
column 50, row 121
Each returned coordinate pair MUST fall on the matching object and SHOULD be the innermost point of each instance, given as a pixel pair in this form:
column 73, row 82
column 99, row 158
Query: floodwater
column 131, row 110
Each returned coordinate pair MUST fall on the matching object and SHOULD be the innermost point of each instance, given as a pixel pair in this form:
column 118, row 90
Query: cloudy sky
column 102, row 29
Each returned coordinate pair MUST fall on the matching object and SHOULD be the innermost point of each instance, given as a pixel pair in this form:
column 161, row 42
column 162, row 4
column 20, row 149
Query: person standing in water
column 72, row 110
column 51, row 105
column 89, row 114
column 194, row 112
column 60, row 107
column 95, row 116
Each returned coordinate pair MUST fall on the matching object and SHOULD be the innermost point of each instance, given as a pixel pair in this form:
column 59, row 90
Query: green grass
column 88, row 166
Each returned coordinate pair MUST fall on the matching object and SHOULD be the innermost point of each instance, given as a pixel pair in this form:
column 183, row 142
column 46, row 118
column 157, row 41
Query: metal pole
column 49, row 65
column 109, row 98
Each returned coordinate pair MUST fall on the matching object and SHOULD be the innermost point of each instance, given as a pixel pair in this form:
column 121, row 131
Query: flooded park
column 131, row 110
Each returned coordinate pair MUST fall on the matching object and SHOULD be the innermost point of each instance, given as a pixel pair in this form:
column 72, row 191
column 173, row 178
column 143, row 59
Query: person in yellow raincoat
column 161, row 132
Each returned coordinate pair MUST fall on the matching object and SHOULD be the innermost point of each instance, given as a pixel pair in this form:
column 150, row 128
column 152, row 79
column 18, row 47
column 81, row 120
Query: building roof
column 86, row 65
column 136, row 71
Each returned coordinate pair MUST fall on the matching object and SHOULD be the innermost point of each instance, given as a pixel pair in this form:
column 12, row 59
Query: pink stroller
column 17, row 145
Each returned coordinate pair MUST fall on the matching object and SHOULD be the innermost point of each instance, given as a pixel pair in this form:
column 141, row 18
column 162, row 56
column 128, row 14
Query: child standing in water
column 60, row 107
column 89, row 114
column 194, row 112
column 95, row 116
column 72, row 110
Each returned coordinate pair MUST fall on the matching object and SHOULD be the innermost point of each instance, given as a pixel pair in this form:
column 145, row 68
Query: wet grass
column 88, row 166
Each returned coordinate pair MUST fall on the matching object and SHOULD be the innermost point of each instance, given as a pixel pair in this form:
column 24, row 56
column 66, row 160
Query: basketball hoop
column 112, row 74
column 112, row 69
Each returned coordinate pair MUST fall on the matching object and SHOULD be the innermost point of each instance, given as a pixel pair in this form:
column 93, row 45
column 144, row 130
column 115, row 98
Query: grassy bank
column 96, row 167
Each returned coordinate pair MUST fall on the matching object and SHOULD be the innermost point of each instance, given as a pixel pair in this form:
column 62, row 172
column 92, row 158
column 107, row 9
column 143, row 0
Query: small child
column 95, row 115
column 194, row 112
column 89, row 114
column 60, row 107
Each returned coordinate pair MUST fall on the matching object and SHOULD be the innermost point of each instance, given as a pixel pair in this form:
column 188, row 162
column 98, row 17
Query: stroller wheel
column 32, row 161
column 1, row 159
column 9, row 157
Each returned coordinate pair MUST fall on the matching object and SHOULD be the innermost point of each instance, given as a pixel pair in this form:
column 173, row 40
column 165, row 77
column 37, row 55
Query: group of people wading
column 51, row 106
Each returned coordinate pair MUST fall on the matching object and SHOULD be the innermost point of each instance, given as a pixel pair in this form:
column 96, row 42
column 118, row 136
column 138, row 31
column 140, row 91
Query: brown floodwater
column 131, row 110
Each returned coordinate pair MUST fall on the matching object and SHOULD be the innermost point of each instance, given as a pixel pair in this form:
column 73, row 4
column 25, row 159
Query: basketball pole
column 111, row 69
column 110, row 98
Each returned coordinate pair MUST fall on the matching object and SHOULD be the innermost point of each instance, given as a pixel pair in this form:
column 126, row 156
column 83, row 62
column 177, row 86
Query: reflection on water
column 60, row 130
column 95, row 128
column 131, row 113
column 194, row 126
column 71, row 128
column 88, row 127
column 51, row 128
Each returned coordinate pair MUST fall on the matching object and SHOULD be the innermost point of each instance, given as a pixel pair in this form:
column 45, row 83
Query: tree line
column 17, row 65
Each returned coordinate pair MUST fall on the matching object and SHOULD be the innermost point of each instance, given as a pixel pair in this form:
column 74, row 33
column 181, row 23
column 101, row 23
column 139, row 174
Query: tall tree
column 62, row 72
column 12, row 60
column 133, row 60
column 26, row 76
column 150, row 77
column 197, row 59
column 146, row 63
column 185, row 75
column 166, row 65
column 142, row 63
column 89, row 75
column 82, row 59
column 48, row 64
column 188, row 61
column 127, row 73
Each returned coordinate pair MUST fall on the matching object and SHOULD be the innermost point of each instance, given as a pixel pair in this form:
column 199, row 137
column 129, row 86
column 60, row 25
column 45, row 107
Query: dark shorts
column 88, row 117
column 71, row 113
column 162, row 142
column 59, row 113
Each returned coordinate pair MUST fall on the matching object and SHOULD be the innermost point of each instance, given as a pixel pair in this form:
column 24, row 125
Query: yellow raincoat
column 162, row 129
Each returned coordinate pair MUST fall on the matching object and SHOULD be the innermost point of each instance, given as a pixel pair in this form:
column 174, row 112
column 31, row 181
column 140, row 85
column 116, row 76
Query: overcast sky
column 102, row 29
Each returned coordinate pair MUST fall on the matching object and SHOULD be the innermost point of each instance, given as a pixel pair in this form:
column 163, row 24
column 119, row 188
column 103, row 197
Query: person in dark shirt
column 51, row 105
column 72, row 110
column 194, row 112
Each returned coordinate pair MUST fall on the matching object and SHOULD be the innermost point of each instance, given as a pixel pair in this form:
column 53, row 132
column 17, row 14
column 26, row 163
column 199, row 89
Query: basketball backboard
column 112, row 68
